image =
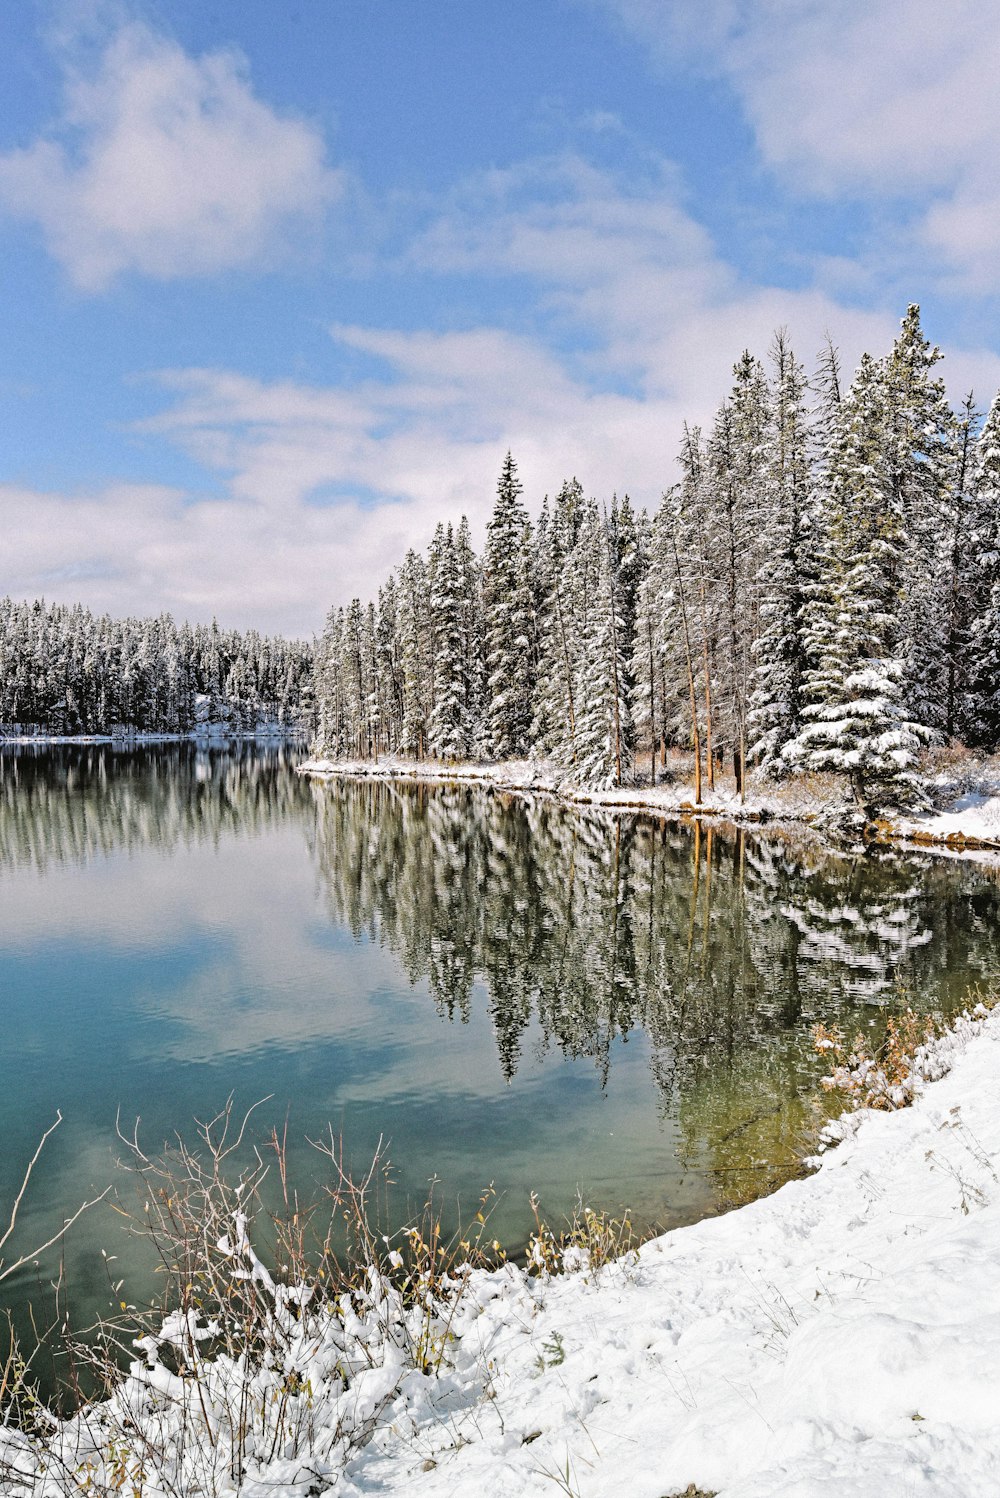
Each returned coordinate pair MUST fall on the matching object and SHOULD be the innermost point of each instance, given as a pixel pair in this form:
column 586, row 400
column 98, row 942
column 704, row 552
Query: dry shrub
column 588, row 1242
column 885, row 1076
column 283, row 1333
column 890, row 1073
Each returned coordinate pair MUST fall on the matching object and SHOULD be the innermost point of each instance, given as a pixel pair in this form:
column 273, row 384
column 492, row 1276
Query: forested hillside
column 819, row 591
column 66, row 671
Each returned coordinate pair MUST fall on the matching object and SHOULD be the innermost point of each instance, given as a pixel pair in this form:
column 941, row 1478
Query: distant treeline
column 64, row 670
column 820, row 591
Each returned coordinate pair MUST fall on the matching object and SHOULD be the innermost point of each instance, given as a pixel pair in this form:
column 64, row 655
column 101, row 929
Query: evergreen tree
column 982, row 708
column 779, row 652
column 448, row 735
column 508, row 621
column 855, row 717
column 416, row 666
column 604, row 736
column 919, row 451
column 737, row 454
column 554, row 721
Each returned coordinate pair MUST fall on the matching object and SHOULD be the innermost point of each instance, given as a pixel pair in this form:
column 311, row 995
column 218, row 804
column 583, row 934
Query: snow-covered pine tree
column 961, row 576
column 603, row 729
column 508, row 623
column 553, row 729
column 626, row 533
column 354, row 690
column 387, row 666
column 736, row 458
column 920, row 451
column 648, row 654
column 982, row 707
column 471, row 596
column 855, row 717
column 414, row 655
column 448, row 725
column 779, row 657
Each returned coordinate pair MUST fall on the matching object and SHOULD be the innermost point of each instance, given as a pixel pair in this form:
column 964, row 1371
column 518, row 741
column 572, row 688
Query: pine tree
column 919, row 447
column 471, row 629
column 553, row 728
column 414, row 655
column 448, row 725
column 855, row 717
column 960, row 591
column 508, row 622
column 737, row 454
column 779, row 653
column 604, row 736
column 982, row 709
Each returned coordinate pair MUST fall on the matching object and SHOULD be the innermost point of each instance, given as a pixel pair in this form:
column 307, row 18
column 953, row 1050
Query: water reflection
column 709, row 939
column 508, row 990
column 82, row 802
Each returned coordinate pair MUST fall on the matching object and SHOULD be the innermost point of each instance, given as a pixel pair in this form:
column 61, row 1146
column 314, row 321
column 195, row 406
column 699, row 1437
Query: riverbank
column 839, row 1337
column 963, row 816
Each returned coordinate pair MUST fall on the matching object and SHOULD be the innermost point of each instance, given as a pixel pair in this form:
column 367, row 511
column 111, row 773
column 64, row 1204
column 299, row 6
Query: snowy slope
column 841, row 1337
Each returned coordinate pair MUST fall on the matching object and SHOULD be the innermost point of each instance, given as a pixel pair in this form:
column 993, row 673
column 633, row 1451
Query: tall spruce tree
column 604, row 739
column 508, row 621
column 448, row 728
column 982, row 709
column 919, row 452
column 779, row 652
column 855, row 717
column 558, row 627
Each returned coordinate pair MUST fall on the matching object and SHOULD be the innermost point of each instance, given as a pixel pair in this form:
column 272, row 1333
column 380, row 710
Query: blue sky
column 282, row 282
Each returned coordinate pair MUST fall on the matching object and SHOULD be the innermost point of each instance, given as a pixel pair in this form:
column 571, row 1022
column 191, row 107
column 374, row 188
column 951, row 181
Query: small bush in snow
column 286, row 1334
column 589, row 1241
column 890, row 1074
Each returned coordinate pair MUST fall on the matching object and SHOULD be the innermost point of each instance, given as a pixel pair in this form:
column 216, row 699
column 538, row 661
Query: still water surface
column 506, row 992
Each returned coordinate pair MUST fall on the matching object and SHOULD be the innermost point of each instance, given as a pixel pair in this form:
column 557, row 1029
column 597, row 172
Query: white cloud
column 632, row 267
column 896, row 102
column 165, row 164
column 322, row 489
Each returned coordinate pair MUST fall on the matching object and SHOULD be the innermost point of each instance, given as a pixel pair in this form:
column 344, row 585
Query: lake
column 506, row 991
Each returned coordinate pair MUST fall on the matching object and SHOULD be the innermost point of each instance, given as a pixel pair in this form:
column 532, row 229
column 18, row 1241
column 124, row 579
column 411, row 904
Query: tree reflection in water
column 577, row 928
column 722, row 945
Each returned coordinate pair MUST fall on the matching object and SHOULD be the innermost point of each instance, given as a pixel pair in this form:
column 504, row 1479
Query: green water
column 502, row 991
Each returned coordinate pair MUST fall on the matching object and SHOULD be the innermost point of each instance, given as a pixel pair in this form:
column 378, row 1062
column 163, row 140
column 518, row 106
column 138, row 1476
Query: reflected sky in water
column 504, row 991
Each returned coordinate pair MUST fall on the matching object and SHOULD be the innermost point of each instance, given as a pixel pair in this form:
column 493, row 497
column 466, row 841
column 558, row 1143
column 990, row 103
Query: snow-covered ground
column 839, row 1338
column 966, row 806
column 971, row 817
column 797, row 800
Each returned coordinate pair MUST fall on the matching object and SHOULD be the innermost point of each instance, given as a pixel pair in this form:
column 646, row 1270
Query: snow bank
column 800, row 800
column 973, row 819
column 841, row 1337
column 968, row 824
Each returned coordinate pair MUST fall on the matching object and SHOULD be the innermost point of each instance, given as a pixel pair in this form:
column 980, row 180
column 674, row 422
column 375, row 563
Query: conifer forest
column 820, row 590
column 65, row 671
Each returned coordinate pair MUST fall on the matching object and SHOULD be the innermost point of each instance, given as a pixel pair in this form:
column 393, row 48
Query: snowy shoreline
column 970, row 826
column 839, row 1337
